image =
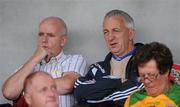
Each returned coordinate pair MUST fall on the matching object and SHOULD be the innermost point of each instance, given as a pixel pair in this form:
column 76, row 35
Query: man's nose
column 52, row 92
column 111, row 37
column 44, row 39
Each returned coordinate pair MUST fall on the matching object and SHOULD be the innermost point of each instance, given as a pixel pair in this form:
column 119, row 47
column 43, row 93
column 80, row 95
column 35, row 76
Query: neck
column 168, row 87
column 132, row 52
column 47, row 58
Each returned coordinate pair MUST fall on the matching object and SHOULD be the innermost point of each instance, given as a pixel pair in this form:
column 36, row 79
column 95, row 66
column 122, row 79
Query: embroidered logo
column 55, row 71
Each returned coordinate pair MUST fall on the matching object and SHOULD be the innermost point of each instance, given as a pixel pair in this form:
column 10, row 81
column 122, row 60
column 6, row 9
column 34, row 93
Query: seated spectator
column 49, row 57
column 40, row 90
column 108, row 83
column 154, row 62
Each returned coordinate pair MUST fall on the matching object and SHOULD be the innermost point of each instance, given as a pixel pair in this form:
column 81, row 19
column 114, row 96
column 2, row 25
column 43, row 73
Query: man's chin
column 52, row 104
column 116, row 53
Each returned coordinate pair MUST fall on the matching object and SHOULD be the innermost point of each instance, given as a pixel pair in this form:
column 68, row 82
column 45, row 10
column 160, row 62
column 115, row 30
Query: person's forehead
column 49, row 24
column 56, row 24
column 150, row 66
column 42, row 79
column 114, row 21
column 51, row 20
column 50, row 28
column 114, row 18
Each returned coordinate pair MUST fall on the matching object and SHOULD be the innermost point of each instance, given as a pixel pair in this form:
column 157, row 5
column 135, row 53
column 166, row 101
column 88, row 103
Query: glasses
column 151, row 77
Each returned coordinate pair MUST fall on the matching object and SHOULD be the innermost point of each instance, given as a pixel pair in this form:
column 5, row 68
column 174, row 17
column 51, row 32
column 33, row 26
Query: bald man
column 40, row 90
column 49, row 57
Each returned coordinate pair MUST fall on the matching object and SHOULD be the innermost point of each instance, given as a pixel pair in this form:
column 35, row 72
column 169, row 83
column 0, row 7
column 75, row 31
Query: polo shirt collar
column 60, row 56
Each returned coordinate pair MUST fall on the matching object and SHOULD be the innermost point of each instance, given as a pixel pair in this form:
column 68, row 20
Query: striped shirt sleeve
column 75, row 63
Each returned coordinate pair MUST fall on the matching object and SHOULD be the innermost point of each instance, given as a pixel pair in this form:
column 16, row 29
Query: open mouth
column 113, row 44
column 45, row 47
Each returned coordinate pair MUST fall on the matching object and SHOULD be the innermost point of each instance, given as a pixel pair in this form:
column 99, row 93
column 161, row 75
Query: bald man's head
column 29, row 80
column 40, row 90
column 56, row 21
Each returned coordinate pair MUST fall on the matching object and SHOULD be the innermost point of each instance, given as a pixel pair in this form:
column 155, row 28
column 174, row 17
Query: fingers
column 39, row 54
column 42, row 51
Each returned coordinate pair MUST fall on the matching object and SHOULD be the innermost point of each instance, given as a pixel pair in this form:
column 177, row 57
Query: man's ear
column 131, row 34
column 64, row 40
column 27, row 98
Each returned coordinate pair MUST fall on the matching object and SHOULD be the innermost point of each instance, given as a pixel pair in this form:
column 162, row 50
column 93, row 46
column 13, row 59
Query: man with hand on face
column 108, row 83
column 40, row 90
column 49, row 57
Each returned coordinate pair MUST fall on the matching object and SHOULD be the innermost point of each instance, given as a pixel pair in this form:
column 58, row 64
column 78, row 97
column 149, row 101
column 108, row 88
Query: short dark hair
column 156, row 51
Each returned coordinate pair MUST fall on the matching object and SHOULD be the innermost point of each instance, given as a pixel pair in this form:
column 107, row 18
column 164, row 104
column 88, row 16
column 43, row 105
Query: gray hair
column 127, row 18
column 59, row 20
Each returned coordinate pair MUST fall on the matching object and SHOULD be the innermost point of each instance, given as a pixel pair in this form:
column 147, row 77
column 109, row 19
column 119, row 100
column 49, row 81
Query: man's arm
column 66, row 82
column 72, row 70
column 103, row 89
column 95, row 85
column 13, row 86
column 96, row 89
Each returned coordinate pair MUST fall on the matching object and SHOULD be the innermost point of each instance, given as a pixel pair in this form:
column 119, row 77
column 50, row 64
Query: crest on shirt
column 55, row 71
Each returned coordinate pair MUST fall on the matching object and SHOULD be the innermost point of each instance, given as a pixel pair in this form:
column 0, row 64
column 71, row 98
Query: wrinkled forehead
column 52, row 26
column 42, row 77
column 150, row 66
column 42, row 81
column 37, row 79
column 114, row 20
column 117, row 18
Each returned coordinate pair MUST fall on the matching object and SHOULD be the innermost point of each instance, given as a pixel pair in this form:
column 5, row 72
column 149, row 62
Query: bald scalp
column 29, row 80
column 56, row 21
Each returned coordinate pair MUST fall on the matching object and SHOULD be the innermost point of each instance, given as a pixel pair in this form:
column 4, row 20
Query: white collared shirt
column 60, row 64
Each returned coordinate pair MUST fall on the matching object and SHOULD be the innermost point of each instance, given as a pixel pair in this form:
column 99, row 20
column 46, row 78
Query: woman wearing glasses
column 154, row 62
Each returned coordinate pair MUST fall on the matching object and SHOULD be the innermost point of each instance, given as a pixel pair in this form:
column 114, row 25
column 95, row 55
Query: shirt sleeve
column 75, row 63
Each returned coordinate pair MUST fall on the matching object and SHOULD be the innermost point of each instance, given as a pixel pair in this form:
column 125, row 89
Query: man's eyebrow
column 40, row 33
